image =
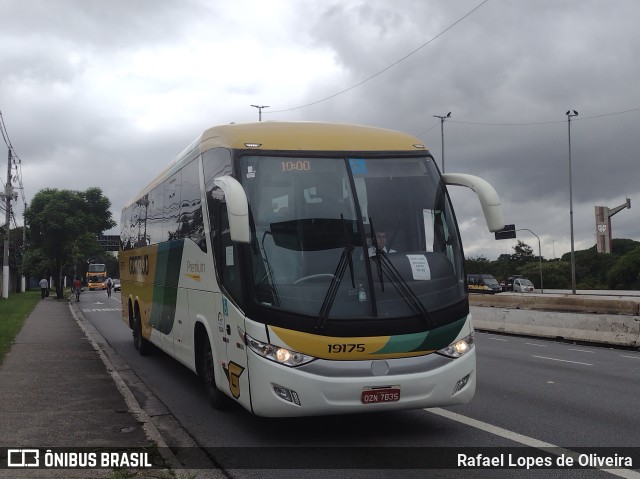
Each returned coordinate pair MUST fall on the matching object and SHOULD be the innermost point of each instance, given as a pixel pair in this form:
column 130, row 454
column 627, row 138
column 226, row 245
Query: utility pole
column 539, row 255
column 23, row 281
column 573, row 257
column 260, row 107
column 442, row 118
column 8, row 195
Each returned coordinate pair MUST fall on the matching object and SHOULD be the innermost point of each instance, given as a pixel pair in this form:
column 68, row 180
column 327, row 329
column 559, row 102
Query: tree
column 620, row 246
column 625, row 274
column 65, row 224
column 523, row 253
column 477, row 265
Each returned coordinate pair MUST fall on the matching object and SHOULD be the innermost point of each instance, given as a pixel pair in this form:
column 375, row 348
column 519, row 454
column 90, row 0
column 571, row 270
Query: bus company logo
column 139, row 265
column 195, row 267
column 23, row 458
column 233, row 373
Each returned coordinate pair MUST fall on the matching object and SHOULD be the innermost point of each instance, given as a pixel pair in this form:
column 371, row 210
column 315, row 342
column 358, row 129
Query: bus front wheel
column 216, row 397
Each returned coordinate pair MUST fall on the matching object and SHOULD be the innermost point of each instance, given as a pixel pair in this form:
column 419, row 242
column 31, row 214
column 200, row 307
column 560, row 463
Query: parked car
column 483, row 283
column 116, row 285
column 523, row 285
column 509, row 283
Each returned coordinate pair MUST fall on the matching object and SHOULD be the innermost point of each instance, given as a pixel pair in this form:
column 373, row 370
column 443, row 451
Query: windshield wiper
column 385, row 266
column 346, row 259
column 377, row 253
column 272, row 282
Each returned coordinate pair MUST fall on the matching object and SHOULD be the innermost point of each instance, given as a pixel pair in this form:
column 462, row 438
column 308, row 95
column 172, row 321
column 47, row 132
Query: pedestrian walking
column 44, row 288
column 77, row 288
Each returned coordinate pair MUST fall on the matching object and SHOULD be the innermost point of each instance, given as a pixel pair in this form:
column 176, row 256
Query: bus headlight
column 277, row 353
column 459, row 347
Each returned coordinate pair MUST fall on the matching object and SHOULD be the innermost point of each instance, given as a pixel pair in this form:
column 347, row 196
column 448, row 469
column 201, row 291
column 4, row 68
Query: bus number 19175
column 345, row 348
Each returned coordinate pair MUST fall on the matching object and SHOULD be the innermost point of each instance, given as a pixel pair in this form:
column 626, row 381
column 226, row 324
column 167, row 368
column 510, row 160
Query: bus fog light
column 286, row 394
column 459, row 347
column 460, row 384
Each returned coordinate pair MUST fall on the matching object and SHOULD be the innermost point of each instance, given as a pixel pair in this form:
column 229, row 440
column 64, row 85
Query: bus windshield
column 352, row 237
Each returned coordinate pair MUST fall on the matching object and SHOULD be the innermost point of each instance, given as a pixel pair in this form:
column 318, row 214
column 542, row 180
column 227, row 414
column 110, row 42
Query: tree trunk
column 59, row 289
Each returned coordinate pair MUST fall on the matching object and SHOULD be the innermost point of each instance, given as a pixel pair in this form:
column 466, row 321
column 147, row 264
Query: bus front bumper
column 346, row 387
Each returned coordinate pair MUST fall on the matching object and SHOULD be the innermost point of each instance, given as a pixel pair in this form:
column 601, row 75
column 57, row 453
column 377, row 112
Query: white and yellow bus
column 257, row 259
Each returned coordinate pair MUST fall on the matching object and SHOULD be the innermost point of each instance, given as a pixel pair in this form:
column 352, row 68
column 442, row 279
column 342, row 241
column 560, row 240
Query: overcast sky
column 105, row 93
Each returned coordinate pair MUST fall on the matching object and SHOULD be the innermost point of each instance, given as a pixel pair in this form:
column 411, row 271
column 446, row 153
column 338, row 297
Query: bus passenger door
column 229, row 342
column 231, row 352
column 220, row 340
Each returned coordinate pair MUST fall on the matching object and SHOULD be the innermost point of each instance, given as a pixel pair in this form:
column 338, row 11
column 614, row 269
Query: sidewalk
column 55, row 391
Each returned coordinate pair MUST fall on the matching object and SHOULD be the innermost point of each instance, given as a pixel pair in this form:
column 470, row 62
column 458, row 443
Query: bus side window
column 228, row 267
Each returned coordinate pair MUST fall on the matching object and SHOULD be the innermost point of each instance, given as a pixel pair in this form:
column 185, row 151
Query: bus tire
column 141, row 344
column 216, row 398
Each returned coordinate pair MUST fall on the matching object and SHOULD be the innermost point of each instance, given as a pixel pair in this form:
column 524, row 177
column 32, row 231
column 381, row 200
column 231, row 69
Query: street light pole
column 260, row 107
column 442, row 118
column 539, row 255
column 573, row 259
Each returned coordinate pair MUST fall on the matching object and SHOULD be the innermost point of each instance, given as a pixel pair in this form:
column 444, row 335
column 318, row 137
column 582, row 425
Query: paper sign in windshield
column 419, row 266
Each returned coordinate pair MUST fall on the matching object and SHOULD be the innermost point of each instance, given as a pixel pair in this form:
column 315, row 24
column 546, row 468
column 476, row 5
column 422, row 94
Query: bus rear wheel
column 217, row 398
column 141, row 344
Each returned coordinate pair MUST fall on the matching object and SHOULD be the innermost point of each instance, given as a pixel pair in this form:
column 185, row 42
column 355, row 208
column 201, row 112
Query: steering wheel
column 315, row 278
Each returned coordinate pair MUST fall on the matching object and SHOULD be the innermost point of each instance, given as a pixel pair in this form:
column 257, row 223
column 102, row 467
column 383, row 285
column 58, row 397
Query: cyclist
column 109, row 286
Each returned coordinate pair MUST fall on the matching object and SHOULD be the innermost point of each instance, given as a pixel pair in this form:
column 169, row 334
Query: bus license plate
column 374, row 396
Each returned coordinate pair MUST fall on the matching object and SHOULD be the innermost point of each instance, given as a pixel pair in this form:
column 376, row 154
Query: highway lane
column 565, row 394
column 561, row 394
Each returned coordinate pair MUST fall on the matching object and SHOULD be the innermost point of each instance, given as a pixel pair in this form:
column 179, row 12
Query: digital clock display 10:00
column 299, row 165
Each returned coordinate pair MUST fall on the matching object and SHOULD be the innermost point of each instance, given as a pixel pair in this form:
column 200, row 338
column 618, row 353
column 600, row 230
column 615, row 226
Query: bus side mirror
column 489, row 199
column 237, row 208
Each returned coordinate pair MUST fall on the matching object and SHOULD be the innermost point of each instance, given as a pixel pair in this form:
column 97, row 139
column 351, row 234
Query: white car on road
column 523, row 285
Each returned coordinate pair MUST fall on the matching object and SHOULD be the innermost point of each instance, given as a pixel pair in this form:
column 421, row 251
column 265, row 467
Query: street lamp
column 539, row 254
column 442, row 118
column 260, row 107
column 573, row 259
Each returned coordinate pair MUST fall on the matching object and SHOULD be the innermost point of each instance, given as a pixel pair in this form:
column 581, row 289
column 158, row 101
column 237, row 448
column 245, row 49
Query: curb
column 132, row 403
column 195, row 460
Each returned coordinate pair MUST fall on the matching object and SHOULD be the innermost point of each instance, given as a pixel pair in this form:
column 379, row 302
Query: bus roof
column 292, row 136
column 313, row 136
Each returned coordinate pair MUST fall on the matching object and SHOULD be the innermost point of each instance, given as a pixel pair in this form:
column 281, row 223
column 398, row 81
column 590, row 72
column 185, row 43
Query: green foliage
column 625, row 274
column 555, row 274
column 478, row 265
column 619, row 270
column 622, row 246
column 523, row 253
column 64, row 228
column 16, row 247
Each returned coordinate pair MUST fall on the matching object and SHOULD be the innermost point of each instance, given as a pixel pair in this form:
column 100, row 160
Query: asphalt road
column 531, row 393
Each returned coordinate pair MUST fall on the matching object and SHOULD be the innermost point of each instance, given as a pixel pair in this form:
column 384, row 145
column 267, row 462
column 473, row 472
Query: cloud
column 105, row 93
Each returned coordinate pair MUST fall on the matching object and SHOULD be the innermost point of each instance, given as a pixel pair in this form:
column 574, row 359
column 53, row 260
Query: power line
column 428, row 129
column 478, row 123
column 386, row 68
column 5, row 133
column 534, row 123
column 15, row 163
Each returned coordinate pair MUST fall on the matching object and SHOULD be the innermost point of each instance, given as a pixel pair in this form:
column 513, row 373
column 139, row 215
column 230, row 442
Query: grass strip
column 13, row 311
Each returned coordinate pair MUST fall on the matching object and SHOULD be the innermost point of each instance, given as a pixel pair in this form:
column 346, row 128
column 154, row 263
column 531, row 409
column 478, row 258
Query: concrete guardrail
column 606, row 320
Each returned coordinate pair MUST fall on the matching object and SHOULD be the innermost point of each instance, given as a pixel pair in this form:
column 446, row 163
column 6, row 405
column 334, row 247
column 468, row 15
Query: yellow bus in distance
column 97, row 276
